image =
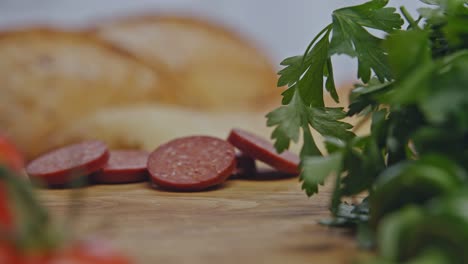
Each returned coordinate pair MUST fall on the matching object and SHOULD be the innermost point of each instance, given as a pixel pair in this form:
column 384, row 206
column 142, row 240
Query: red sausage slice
column 263, row 150
column 192, row 163
column 245, row 166
column 124, row 166
column 59, row 166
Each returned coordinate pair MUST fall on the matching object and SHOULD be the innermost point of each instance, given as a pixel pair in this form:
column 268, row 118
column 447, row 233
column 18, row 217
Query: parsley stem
column 454, row 57
column 409, row 18
column 311, row 44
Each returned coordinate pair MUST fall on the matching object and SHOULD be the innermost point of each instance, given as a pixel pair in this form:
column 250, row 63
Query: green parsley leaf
column 288, row 95
column 350, row 36
column 316, row 169
column 330, row 83
column 288, row 120
column 291, row 118
column 411, row 62
column 372, row 14
column 407, row 50
column 436, row 15
column 432, row 2
column 325, row 121
column 456, row 29
column 366, row 96
column 292, row 72
column 306, row 72
column 433, row 139
column 311, row 84
column 357, row 178
column 414, row 86
column 441, row 105
column 308, row 148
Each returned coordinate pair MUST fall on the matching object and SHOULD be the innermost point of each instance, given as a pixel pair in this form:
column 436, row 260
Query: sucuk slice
column 124, row 166
column 263, row 150
column 58, row 167
column 245, row 166
column 192, row 163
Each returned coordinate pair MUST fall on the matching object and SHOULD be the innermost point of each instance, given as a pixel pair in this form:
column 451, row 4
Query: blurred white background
column 281, row 28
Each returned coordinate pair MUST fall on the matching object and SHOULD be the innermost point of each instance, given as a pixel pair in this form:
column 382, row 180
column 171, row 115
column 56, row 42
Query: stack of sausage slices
column 193, row 163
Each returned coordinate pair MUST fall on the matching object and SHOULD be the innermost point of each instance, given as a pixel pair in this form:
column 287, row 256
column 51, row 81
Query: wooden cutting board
column 256, row 220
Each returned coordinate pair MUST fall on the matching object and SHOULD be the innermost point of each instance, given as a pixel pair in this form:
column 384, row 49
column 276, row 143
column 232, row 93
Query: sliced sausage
column 124, row 166
column 192, row 163
column 59, row 166
column 263, row 150
column 245, row 167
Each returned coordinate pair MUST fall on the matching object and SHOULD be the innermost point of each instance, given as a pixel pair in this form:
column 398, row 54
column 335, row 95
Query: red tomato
column 90, row 252
column 8, row 254
column 10, row 155
column 36, row 258
column 6, row 216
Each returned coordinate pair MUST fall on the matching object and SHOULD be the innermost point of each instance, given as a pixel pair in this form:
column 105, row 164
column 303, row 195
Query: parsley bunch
column 414, row 90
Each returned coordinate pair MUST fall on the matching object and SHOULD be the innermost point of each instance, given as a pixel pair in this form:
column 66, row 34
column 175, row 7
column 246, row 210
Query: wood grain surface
column 267, row 219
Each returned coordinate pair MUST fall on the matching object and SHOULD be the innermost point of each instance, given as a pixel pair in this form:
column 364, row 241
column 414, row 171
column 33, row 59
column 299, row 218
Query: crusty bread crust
column 58, row 87
column 215, row 68
column 50, row 77
column 48, row 32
